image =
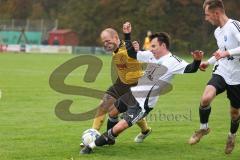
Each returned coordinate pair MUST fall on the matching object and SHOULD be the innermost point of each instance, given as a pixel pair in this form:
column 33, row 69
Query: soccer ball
column 89, row 136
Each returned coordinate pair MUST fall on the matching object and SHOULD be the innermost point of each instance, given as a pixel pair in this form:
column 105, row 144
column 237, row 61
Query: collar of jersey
column 161, row 59
column 120, row 45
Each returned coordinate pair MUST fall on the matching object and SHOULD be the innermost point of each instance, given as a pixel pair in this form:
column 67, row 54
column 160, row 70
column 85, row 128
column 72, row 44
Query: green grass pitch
column 30, row 130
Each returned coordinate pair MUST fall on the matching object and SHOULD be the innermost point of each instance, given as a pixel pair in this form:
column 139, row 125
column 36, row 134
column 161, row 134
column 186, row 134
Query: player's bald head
column 110, row 39
column 110, row 32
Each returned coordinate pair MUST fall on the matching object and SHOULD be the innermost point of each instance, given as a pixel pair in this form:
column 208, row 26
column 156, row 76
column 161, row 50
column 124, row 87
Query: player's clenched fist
column 197, row 55
column 203, row 66
column 127, row 28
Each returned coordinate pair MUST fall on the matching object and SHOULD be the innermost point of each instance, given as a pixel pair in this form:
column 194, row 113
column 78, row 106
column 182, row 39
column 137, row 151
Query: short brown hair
column 162, row 37
column 213, row 4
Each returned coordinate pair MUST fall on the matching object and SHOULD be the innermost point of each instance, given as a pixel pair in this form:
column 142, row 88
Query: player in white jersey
column 135, row 105
column 226, row 72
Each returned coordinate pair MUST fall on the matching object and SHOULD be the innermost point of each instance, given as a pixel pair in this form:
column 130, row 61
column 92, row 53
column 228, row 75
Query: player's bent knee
column 206, row 100
column 107, row 102
column 108, row 98
column 113, row 112
column 208, row 95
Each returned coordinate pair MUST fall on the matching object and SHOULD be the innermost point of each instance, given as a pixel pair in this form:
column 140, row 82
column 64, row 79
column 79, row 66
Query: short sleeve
column 177, row 65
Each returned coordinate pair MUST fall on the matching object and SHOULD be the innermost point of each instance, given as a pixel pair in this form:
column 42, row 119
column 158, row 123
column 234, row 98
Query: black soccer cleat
column 110, row 140
column 86, row 150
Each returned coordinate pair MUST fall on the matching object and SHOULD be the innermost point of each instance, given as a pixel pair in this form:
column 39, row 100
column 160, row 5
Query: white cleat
column 140, row 137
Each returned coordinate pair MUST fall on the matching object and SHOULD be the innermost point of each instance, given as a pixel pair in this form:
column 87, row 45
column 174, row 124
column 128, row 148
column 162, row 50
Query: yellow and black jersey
column 129, row 70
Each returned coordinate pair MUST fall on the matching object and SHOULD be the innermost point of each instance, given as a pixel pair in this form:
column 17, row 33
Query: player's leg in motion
column 204, row 112
column 103, row 108
column 109, row 136
column 113, row 116
column 133, row 112
column 113, row 120
column 233, row 93
column 145, row 131
column 235, row 119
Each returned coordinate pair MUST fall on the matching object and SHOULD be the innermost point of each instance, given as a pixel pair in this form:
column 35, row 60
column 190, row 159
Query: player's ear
column 164, row 45
column 216, row 12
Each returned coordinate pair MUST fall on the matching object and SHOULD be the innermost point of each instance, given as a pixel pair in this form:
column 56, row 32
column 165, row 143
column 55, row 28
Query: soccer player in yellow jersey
column 129, row 70
column 147, row 43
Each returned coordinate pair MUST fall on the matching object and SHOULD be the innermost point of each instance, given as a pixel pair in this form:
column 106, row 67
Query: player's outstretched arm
column 127, row 29
column 133, row 48
column 204, row 65
column 193, row 67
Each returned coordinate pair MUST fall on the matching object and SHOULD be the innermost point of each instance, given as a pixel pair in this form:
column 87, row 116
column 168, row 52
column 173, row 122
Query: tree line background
column 182, row 19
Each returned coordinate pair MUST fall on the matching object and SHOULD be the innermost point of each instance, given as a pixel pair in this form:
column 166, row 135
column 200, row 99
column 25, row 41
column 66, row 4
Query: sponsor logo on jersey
column 225, row 38
column 122, row 66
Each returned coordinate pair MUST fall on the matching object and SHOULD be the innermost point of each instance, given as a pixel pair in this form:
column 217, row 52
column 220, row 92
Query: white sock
column 204, row 126
column 230, row 134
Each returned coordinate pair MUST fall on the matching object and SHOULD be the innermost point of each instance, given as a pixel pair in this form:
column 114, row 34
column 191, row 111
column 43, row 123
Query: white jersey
column 157, row 77
column 228, row 38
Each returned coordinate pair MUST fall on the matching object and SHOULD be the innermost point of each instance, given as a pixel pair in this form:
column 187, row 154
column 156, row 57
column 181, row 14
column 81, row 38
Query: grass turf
column 30, row 130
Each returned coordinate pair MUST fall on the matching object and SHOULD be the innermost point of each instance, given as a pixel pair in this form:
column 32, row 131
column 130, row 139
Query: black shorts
column 233, row 91
column 119, row 88
column 128, row 105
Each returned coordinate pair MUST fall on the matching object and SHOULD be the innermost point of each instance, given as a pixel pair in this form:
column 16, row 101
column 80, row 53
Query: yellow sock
column 143, row 125
column 99, row 119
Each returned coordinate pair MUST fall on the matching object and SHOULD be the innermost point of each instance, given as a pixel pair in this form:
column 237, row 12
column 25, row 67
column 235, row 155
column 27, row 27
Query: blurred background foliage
column 182, row 19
